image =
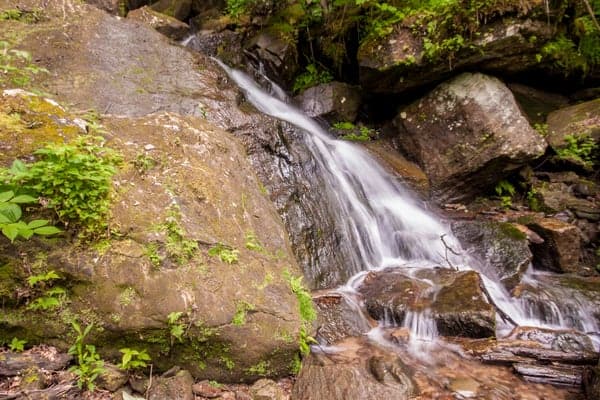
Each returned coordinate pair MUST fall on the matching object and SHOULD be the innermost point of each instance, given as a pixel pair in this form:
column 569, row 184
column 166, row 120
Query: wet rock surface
column 561, row 248
column 366, row 374
column 334, row 101
column 479, row 132
column 337, row 318
column 499, row 246
column 457, row 304
column 554, row 357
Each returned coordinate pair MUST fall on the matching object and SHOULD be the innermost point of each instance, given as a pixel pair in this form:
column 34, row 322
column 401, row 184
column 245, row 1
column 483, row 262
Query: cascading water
column 383, row 226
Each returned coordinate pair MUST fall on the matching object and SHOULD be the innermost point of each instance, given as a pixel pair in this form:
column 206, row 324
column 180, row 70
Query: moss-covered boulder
column 430, row 43
column 499, row 246
column 192, row 268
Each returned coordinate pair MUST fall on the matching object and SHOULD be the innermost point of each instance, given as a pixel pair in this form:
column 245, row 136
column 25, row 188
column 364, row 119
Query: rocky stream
column 444, row 221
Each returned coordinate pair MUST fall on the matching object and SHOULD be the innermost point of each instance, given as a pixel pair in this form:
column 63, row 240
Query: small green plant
column 75, row 179
column 176, row 328
column 134, row 359
column 151, row 252
column 355, row 133
column 542, row 129
column 310, row 77
column 261, row 368
column 235, row 8
column 308, row 314
column 242, row 308
column 89, row 364
column 11, row 224
column 215, row 384
column 533, row 201
column 16, row 67
column 225, row 253
column 17, row 345
column 580, row 148
column 27, row 16
column 143, row 163
column 505, row 190
column 49, row 296
column 252, row 243
column 178, row 247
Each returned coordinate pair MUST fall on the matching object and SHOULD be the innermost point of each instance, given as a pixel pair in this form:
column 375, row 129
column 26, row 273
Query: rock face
column 399, row 61
column 146, row 73
column 185, row 187
column 368, row 374
column 334, row 101
column 501, row 246
column 337, row 319
column 166, row 25
column 561, row 248
column 479, row 134
column 458, row 305
column 581, row 120
column 280, row 56
column 408, row 172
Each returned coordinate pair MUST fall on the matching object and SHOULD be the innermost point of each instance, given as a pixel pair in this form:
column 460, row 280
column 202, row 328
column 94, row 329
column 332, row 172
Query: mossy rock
column 185, row 186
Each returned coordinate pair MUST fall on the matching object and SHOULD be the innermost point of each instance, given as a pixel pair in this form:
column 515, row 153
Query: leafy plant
column 252, row 243
column 134, row 359
column 75, row 179
column 355, row 134
column 225, row 253
column 89, row 364
column 10, row 218
column 311, row 76
column 49, row 297
column 17, row 345
column 176, row 328
column 505, row 190
column 178, row 247
column 235, row 8
column 307, row 311
column 580, row 148
column 242, row 308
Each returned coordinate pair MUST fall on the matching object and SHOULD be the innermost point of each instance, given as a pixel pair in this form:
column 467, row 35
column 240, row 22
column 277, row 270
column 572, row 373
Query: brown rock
column 479, row 133
column 178, row 387
column 266, row 389
column 578, row 120
column 112, row 378
column 206, row 389
column 166, row 25
column 334, row 101
column 561, row 249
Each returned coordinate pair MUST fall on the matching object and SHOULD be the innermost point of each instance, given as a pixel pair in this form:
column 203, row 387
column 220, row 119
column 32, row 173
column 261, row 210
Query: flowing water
column 385, row 227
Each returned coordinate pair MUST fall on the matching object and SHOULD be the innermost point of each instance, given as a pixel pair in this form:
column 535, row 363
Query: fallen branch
column 505, row 317
column 448, row 248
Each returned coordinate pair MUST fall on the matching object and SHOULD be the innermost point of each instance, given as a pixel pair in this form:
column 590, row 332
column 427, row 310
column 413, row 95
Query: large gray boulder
column 334, row 101
column 467, row 134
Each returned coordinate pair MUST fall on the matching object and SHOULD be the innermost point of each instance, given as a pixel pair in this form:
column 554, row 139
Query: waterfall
column 384, row 226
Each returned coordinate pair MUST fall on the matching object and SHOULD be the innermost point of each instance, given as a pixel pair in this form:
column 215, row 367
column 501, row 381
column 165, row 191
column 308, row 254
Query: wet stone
column 337, row 319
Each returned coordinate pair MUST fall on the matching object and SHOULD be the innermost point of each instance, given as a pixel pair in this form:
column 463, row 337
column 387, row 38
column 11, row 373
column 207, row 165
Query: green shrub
column 11, row 224
column 75, row 180
column 580, row 148
column 311, row 76
column 133, row 359
column 225, row 253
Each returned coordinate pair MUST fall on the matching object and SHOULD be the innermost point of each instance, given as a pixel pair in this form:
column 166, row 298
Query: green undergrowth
column 308, row 315
column 74, row 180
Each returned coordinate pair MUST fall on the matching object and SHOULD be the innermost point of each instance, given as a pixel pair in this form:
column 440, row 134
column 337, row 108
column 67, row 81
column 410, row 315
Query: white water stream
column 385, row 227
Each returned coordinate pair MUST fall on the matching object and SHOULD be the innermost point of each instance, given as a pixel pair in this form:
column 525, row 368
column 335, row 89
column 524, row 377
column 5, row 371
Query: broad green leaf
column 10, row 231
column 25, row 233
column 6, row 196
column 23, row 198
column 12, row 212
column 46, row 230
column 4, row 219
column 37, row 223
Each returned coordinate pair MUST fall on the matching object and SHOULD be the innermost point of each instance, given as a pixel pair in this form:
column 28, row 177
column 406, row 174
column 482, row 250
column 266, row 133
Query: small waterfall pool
column 385, row 227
